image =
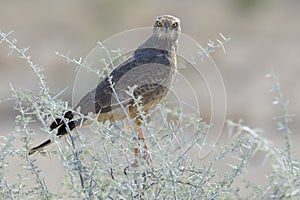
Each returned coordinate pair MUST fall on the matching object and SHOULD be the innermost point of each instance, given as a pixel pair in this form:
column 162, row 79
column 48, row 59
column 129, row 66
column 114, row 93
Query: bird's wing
column 103, row 98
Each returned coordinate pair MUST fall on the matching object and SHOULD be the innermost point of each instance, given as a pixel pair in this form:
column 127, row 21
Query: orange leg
column 140, row 135
column 142, row 138
column 137, row 153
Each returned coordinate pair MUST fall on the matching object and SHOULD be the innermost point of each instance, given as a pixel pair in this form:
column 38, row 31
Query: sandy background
column 265, row 37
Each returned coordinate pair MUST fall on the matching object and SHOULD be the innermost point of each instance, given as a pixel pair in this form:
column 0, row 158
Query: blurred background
column 265, row 37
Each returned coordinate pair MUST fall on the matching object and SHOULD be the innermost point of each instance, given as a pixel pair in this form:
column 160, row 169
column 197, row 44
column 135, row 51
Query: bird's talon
column 134, row 164
column 147, row 156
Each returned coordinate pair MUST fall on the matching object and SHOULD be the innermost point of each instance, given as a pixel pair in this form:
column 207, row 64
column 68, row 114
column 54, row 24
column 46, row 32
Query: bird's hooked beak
column 166, row 29
column 167, row 26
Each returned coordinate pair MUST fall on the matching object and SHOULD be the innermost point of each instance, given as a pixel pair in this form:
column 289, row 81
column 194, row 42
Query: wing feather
column 102, row 98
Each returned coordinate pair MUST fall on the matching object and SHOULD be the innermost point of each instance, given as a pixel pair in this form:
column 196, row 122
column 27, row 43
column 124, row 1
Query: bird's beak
column 166, row 28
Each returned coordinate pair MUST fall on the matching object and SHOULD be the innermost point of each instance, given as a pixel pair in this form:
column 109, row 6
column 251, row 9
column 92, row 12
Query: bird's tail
column 62, row 130
column 39, row 147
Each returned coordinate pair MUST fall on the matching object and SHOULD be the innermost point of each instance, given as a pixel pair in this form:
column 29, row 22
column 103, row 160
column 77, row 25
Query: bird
column 148, row 72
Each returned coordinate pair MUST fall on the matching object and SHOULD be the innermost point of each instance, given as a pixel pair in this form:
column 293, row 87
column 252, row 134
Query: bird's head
column 167, row 27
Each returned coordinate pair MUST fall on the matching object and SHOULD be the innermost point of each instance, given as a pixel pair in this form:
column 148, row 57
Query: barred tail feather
column 62, row 130
column 58, row 121
column 39, row 147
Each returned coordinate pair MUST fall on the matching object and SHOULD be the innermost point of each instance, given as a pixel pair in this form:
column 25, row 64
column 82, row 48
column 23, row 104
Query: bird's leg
column 137, row 151
column 141, row 137
column 138, row 139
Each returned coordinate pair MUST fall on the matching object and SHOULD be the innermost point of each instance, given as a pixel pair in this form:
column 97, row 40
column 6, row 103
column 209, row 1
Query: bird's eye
column 158, row 23
column 174, row 25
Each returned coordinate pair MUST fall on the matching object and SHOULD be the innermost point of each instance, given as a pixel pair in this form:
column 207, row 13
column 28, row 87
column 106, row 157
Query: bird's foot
column 146, row 155
column 132, row 165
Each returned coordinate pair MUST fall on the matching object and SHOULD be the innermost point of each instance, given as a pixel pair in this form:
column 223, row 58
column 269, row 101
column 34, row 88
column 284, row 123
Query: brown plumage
column 149, row 70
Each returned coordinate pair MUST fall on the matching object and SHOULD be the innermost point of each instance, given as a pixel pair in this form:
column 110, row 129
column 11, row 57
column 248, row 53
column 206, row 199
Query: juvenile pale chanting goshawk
column 148, row 71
